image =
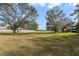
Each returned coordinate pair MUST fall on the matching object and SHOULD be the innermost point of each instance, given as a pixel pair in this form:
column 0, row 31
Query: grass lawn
column 39, row 43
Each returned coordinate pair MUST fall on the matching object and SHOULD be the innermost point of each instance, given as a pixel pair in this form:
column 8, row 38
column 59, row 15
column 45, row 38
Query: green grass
column 39, row 43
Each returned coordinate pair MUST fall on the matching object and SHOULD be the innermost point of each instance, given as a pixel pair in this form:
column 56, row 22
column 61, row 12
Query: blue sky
column 42, row 8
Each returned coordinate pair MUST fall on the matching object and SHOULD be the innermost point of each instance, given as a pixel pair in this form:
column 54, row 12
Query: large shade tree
column 76, row 15
column 17, row 14
column 58, row 21
column 54, row 18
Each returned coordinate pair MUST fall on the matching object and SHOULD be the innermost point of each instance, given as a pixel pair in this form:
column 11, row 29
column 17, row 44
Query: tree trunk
column 14, row 30
column 63, row 30
column 55, row 30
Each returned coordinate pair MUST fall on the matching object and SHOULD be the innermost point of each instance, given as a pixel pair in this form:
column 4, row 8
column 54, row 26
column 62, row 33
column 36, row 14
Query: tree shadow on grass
column 49, row 46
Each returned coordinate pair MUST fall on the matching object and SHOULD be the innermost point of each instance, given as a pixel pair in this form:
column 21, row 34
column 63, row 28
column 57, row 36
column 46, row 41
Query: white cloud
column 72, row 4
column 42, row 4
column 51, row 5
column 39, row 4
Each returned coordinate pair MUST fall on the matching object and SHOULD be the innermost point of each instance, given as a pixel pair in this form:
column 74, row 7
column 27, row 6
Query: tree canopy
column 57, row 20
column 54, row 17
column 75, row 13
column 17, row 14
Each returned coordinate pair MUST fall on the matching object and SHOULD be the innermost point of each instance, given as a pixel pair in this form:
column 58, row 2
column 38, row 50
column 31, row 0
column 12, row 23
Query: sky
column 42, row 8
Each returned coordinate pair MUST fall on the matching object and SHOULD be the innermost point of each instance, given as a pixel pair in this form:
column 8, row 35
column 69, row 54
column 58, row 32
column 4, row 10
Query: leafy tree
column 17, row 14
column 30, row 25
column 54, row 18
column 76, row 15
column 77, row 26
column 67, row 24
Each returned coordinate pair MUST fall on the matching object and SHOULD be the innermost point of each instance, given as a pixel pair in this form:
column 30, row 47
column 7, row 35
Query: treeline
column 24, row 16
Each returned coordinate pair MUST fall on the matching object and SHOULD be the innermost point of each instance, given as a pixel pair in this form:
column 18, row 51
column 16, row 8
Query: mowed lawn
column 39, row 43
